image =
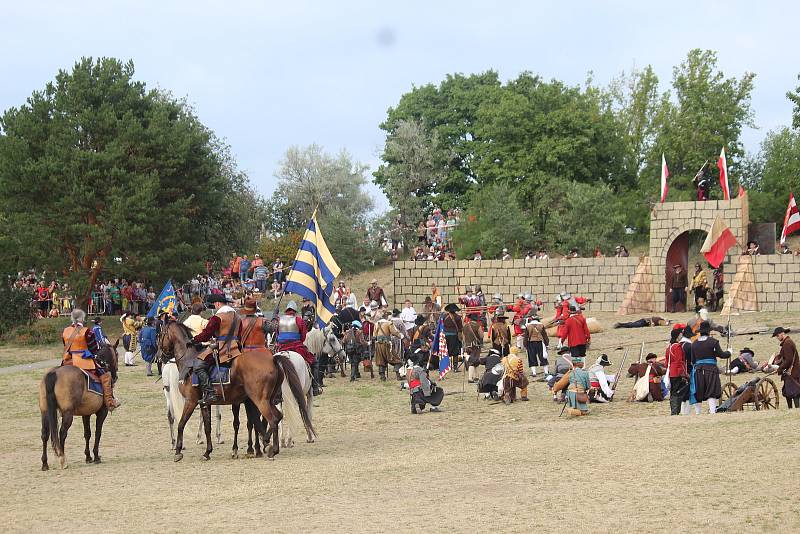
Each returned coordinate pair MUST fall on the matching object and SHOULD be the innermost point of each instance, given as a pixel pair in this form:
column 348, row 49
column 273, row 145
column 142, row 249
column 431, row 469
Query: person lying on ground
column 644, row 322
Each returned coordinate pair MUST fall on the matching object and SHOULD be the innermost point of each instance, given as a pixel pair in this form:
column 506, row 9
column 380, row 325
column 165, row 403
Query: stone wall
column 604, row 280
column 777, row 278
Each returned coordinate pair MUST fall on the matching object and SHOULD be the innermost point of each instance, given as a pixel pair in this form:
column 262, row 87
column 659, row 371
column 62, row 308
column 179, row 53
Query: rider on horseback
column 254, row 326
column 292, row 332
column 78, row 340
column 226, row 327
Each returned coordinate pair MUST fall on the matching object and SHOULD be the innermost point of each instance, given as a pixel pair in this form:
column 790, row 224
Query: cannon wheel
column 767, row 397
column 728, row 391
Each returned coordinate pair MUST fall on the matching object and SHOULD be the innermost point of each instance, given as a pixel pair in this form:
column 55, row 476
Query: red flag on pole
column 791, row 222
column 718, row 241
column 664, row 176
column 722, row 164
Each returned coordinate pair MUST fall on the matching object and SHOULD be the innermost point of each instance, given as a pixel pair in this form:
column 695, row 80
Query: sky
column 268, row 75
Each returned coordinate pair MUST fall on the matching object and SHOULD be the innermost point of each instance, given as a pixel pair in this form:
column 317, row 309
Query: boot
column 382, row 372
column 413, row 407
column 209, row 395
column 108, row 393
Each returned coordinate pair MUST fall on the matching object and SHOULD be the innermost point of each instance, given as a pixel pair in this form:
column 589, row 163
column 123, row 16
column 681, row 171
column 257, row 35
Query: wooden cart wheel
column 728, row 391
column 767, row 397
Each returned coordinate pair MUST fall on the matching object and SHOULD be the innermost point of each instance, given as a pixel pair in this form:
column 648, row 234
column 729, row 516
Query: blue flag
column 164, row 302
column 439, row 347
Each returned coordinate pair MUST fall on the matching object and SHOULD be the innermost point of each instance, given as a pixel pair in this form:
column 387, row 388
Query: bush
column 15, row 309
column 41, row 332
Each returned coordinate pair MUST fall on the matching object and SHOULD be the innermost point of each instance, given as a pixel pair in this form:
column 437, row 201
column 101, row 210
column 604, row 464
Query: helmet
column 528, row 297
column 356, row 324
column 498, row 297
column 373, row 305
column 468, row 289
column 291, row 306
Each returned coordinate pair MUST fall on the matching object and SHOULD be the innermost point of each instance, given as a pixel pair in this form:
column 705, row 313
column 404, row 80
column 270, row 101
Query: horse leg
column 87, row 435
column 66, row 422
column 273, row 416
column 188, row 409
column 100, row 417
column 171, row 421
column 206, row 411
column 45, row 438
column 235, row 449
column 310, row 404
column 220, row 441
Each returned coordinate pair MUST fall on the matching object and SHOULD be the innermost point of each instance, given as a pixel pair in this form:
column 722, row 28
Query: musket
column 641, row 353
column 619, row 371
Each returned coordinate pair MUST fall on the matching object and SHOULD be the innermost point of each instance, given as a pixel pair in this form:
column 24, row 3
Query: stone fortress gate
column 770, row 282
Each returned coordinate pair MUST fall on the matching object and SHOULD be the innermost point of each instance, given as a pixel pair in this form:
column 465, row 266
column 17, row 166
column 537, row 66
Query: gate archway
column 671, row 220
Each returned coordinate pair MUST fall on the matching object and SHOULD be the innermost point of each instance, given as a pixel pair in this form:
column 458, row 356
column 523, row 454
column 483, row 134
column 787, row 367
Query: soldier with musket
column 225, row 326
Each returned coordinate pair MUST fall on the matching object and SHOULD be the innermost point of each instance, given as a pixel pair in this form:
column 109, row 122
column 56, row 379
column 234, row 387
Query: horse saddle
column 93, row 383
column 219, row 375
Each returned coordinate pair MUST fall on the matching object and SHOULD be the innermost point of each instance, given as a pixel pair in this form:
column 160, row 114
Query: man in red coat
column 576, row 333
column 292, row 332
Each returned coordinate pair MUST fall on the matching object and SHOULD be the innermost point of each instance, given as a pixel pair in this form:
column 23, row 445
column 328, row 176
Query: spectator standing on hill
column 43, row 298
column 260, row 273
column 244, row 268
column 235, row 263
column 277, row 277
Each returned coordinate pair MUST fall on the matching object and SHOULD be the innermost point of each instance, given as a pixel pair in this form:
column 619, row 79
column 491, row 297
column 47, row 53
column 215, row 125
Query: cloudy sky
column 267, row 75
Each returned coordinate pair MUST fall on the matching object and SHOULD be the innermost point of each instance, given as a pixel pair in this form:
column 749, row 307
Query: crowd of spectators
column 435, row 236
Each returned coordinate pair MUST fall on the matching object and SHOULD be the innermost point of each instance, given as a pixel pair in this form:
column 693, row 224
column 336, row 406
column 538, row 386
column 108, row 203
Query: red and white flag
column 722, row 164
column 664, row 176
column 791, row 223
column 718, row 241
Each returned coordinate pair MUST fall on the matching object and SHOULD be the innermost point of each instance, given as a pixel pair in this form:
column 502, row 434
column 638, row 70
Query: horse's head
column 332, row 345
column 107, row 355
column 172, row 340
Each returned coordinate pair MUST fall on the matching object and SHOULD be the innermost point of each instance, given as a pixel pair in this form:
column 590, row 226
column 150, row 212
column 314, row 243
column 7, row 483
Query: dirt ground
column 474, row 466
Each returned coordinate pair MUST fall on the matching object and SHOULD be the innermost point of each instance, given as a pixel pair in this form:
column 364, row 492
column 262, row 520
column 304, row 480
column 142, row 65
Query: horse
column 170, row 377
column 254, row 374
column 334, row 350
column 288, row 407
column 63, row 390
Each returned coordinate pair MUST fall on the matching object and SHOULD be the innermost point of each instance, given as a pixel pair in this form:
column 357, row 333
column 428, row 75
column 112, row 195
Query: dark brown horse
column 255, row 374
column 63, row 389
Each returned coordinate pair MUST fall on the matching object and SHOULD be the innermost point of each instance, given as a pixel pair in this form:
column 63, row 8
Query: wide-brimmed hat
column 780, row 330
column 97, row 320
column 420, row 320
column 705, row 328
column 747, row 350
column 211, row 299
column 603, row 360
column 650, row 356
column 452, row 308
column 373, row 281
column 250, row 306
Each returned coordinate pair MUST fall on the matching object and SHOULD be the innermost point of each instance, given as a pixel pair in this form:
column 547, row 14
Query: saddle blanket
column 93, row 385
column 218, row 375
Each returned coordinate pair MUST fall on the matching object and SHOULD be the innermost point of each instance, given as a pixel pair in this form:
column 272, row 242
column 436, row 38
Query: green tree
column 794, row 96
column 309, row 178
column 705, row 112
column 493, row 220
column 410, row 173
column 775, row 172
column 98, row 173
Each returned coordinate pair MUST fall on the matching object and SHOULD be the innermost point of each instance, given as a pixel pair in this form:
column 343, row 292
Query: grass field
column 474, row 466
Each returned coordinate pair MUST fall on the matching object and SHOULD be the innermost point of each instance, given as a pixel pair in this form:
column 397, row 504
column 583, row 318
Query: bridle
column 328, row 333
column 170, row 354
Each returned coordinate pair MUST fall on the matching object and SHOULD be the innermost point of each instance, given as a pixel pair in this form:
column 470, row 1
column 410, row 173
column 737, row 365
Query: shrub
column 15, row 309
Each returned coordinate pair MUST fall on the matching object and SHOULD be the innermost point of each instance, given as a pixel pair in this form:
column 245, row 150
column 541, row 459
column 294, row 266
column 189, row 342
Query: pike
column 619, row 371
column 641, row 353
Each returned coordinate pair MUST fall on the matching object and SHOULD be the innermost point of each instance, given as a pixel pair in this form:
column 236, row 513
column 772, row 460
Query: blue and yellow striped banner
column 313, row 272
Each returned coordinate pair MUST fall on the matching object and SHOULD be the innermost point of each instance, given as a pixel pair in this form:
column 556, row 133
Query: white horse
column 175, row 402
column 334, row 349
column 292, row 422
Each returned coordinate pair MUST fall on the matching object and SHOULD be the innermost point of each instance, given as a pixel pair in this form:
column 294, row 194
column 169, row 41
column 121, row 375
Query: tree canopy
column 562, row 150
column 99, row 173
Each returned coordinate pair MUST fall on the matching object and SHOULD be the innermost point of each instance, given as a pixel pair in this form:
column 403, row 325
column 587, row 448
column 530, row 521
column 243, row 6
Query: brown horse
column 255, row 374
column 63, row 389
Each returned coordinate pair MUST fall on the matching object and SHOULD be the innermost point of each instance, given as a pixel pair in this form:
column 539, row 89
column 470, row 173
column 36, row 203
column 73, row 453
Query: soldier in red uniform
column 292, row 332
column 226, row 327
column 576, row 332
column 79, row 343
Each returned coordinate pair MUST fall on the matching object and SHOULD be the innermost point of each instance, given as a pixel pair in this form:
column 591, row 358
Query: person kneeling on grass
column 423, row 391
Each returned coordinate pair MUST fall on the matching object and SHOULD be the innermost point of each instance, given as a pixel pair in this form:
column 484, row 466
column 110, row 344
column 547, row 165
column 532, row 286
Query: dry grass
column 626, row 467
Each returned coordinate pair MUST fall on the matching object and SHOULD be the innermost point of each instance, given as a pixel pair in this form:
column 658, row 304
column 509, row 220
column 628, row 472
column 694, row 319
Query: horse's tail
column 170, row 376
column 298, row 396
column 52, row 410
